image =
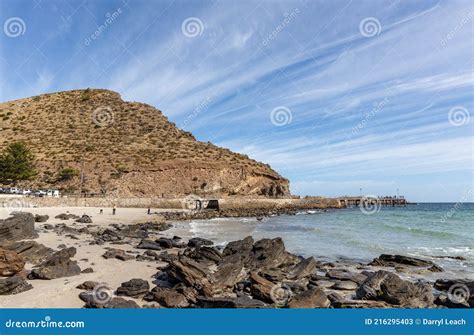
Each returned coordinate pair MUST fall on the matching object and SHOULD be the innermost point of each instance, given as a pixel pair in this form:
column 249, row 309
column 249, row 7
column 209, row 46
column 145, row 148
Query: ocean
column 432, row 231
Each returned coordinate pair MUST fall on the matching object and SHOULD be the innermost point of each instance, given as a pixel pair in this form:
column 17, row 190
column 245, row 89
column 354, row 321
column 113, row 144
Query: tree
column 67, row 174
column 16, row 163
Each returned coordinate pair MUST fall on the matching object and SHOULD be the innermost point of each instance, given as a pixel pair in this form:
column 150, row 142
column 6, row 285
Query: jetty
column 371, row 200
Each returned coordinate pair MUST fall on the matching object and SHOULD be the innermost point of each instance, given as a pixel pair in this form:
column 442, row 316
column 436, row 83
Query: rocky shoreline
column 197, row 274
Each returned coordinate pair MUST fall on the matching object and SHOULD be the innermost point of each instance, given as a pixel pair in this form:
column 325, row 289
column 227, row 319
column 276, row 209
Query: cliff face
column 126, row 149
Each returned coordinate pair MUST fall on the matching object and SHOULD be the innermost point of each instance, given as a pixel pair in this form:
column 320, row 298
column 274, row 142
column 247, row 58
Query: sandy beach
column 62, row 292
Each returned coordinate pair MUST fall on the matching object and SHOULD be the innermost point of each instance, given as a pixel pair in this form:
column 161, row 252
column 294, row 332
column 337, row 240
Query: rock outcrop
column 17, row 227
column 14, row 285
column 57, row 265
column 389, row 287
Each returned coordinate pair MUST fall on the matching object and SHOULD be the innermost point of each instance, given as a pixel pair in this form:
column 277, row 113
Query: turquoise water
column 425, row 230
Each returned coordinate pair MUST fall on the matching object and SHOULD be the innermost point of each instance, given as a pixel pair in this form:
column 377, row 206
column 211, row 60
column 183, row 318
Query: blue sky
column 335, row 95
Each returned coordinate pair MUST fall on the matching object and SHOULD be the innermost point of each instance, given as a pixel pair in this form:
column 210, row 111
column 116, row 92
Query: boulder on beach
column 399, row 260
column 10, row 263
column 196, row 242
column 134, row 287
column 149, row 244
column 19, row 226
column 14, row 285
column 118, row 254
column 66, row 216
column 41, row 218
column 84, row 219
column 31, row 251
column 58, row 265
column 104, row 299
column 167, row 297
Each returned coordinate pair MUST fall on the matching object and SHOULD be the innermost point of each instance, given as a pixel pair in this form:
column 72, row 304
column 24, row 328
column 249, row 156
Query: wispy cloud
column 316, row 64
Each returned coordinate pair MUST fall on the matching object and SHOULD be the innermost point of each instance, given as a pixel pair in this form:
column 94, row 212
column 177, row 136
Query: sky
column 342, row 97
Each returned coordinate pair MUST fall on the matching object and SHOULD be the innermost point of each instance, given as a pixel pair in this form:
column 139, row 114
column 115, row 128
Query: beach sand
column 62, row 292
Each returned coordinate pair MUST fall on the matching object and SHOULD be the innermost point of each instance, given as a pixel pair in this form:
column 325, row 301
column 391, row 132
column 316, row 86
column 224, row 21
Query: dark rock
column 83, row 230
column 343, row 274
column 196, row 242
column 242, row 247
column 66, row 216
column 151, row 253
column 189, row 272
column 324, row 283
column 133, row 287
column 20, row 226
column 107, row 235
column 165, row 257
column 106, row 301
column 228, row 272
column 449, row 302
column 334, row 296
column 84, row 219
column 148, row 244
column 456, row 292
column 166, row 243
column 87, row 270
column 41, row 218
column 178, row 242
column 117, row 253
column 14, row 285
column 387, row 286
column 10, row 262
column 204, row 253
column 261, row 288
column 303, row 269
column 222, row 302
column 62, row 246
column 167, row 297
column 88, row 285
column 31, row 251
column 345, row 285
column 446, row 284
column 58, row 265
column 397, row 260
column 315, row 298
column 271, row 253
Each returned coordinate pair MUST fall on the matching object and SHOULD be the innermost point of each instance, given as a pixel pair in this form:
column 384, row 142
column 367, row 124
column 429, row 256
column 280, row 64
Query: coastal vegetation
column 17, row 163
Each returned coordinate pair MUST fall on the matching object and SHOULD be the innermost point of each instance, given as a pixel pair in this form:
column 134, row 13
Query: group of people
column 114, row 210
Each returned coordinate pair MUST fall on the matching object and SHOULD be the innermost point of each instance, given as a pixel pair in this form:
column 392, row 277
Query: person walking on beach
column 148, row 211
column 114, row 209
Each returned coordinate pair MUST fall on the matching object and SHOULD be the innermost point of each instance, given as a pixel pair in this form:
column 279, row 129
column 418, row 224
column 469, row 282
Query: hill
column 125, row 149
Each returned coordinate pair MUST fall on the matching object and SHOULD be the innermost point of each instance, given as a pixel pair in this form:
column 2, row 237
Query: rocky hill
column 125, row 149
